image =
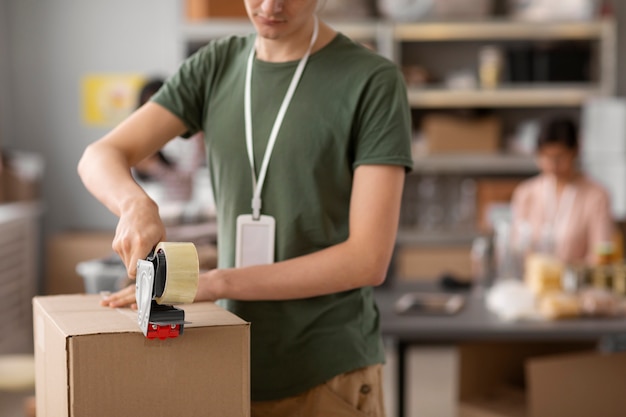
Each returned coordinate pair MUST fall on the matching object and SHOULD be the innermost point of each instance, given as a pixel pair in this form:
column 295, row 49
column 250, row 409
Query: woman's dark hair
column 561, row 131
column 148, row 90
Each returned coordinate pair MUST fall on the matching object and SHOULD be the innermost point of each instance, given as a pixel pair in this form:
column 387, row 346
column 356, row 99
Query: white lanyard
column 258, row 186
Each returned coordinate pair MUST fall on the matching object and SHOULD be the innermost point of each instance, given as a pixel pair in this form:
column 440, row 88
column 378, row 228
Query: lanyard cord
column 258, row 186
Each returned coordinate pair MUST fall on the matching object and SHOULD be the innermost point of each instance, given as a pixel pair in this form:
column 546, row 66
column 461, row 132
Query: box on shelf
column 20, row 174
column 452, row 134
column 205, row 9
column 64, row 251
column 93, row 361
column 492, row 194
column 430, row 262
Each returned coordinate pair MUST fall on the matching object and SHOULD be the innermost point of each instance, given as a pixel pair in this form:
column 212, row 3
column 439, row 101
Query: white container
column 102, row 275
column 405, row 10
column 604, row 127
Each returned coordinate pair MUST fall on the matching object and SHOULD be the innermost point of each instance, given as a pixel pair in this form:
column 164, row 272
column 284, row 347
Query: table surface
column 475, row 323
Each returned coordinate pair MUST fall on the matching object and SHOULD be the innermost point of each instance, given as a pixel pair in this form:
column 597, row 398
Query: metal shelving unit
column 387, row 36
column 507, row 96
column 475, row 164
column 412, row 237
column 501, row 29
column 532, row 95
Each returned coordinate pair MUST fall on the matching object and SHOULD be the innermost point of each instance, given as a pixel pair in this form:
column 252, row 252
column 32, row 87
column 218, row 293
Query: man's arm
column 105, row 170
column 362, row 260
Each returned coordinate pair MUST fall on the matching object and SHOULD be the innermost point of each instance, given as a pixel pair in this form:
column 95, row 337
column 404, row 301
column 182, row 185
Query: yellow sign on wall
column 109, row 98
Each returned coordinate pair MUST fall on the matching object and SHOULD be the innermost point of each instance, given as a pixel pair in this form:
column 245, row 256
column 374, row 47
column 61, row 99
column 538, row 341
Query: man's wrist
column 211, row 285
column 140, row 200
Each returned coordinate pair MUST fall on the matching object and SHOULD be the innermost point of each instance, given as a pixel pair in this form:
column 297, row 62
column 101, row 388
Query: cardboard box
column 14, row 187
column 65, row 250
column 430, row 262
column 561, row 379
column 446, row 134
column 503, row 403
column 577, row 385
column 492, row 193
column 205, row 9
column 20, row 175
column 93, row 361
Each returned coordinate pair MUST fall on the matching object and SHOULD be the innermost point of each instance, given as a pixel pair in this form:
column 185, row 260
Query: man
column 329, row 197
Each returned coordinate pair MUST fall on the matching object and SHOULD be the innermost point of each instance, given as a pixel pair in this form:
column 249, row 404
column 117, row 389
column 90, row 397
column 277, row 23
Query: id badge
column 254, row 241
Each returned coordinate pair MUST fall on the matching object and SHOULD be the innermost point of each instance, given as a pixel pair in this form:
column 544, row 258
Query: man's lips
column 270, row 21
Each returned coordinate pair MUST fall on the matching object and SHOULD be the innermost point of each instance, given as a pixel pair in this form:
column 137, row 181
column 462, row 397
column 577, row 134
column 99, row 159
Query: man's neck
column 294, row 46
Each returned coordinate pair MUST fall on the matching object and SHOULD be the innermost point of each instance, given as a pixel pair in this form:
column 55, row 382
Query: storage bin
column 102, row 275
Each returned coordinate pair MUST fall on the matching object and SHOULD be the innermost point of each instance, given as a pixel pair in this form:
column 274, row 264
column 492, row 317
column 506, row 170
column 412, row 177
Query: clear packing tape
column 181, row 271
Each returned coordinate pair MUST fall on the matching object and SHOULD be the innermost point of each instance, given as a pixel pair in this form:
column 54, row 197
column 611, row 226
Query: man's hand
column 122, row 298
column 138, row 231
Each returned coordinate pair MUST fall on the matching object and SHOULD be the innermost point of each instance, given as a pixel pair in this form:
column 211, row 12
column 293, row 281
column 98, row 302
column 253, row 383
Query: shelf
column 500, row 30
column 522, row 96
column 210, row 29
column 204, row 31
column 475, row 164
column 414, row 237
column 424, row 31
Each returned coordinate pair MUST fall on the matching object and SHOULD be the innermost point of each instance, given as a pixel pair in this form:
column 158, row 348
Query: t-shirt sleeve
column 383, row 125
column 185, row 92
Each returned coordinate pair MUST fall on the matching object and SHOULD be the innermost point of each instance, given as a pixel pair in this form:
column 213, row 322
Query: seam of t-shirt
column 190, row 130
column 388, row 160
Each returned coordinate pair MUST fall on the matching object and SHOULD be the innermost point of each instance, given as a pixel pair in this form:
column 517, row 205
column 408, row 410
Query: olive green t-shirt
column 350, row 109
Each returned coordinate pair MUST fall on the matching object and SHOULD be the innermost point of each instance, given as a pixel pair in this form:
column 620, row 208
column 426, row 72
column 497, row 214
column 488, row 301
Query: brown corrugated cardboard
column 490, row 192
column 65, row 251
column 503, row 403
column 428, row 263
column 93, row 361
column 205, row 9
column 15, row 188
column 577, row 385
column 450, row 134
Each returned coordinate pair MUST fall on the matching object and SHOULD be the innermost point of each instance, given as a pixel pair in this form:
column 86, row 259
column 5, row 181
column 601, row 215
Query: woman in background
column 562, row 211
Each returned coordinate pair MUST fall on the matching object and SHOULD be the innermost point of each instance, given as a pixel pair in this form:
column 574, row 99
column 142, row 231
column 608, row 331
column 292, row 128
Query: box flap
column 95, row 319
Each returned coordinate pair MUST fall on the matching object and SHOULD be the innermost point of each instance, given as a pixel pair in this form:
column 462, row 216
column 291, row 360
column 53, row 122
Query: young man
column 330, row 193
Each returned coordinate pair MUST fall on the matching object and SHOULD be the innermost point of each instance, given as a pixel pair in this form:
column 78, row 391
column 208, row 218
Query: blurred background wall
column 46, row 47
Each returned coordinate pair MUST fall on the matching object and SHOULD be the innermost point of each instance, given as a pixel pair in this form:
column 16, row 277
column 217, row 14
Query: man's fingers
column 135, row 257
column 122, row 298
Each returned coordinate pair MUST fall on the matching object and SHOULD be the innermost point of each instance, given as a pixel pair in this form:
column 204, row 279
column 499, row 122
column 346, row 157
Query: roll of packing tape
column 182, row 269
